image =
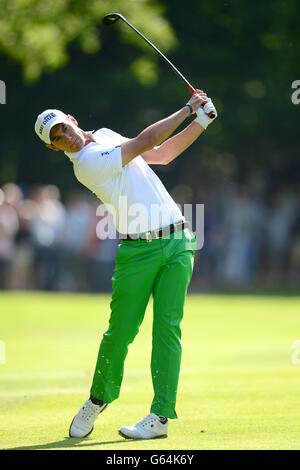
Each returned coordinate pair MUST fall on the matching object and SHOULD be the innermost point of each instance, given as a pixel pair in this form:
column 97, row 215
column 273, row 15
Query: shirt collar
column 75, row 155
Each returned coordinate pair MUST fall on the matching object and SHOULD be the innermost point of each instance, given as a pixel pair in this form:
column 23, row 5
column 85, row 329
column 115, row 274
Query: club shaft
column 179, row 74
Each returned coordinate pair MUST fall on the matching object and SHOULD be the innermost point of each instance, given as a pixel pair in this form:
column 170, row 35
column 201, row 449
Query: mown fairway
column 238, row 387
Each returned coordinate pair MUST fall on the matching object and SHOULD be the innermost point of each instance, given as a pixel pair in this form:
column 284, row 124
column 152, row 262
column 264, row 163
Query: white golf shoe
column 149, row 427
column 83, row 423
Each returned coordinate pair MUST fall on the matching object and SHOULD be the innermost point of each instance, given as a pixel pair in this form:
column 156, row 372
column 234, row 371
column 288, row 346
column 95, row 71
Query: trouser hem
column 164, row 412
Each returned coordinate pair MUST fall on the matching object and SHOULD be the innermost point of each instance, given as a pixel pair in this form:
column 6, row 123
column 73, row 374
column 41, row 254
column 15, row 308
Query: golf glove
column 202, row 114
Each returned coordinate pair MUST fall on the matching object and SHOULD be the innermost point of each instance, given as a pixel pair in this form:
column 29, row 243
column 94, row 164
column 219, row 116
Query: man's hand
column 198, row 99
column 202, row 114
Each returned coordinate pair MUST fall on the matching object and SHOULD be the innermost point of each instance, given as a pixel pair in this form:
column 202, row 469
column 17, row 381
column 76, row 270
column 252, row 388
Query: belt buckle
column 148, row 237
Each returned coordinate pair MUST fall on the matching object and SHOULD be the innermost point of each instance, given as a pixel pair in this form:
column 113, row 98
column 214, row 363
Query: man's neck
column 88, row 136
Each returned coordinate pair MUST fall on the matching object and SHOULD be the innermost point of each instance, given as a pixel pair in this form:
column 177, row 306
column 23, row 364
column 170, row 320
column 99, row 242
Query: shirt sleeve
column 100, row 165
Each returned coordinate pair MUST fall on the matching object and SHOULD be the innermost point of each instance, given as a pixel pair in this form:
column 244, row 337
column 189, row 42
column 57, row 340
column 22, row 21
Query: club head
column 111, row 18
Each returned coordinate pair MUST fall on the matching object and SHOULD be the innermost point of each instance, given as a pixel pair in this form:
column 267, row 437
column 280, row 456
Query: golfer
column 154, row 257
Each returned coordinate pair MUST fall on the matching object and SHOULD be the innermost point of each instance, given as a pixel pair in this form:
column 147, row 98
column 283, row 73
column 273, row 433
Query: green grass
column 238, row 387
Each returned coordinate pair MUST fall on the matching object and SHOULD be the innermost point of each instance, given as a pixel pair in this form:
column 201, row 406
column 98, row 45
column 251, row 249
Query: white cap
column 46, row 120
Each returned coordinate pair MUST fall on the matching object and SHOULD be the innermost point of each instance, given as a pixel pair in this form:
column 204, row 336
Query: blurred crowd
column 252, row 239
column 48, row 245
column 45, row 244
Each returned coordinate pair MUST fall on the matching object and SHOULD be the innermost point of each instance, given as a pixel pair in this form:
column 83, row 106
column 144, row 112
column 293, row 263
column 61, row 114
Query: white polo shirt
column 133, row 194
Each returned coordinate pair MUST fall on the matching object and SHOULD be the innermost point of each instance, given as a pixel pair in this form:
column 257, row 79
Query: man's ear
column 51, row 147
column 71, row 118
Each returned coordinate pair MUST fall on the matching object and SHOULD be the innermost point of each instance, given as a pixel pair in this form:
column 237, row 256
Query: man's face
column 66, row 137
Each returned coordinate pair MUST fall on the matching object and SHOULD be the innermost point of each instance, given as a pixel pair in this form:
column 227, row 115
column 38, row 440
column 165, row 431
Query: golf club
column 111, row 18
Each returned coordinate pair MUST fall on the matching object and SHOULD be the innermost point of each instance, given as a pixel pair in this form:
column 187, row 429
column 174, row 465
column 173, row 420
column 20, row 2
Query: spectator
column 9, row 225
column 243, row 236
column 78, row 219
column 282, row 216
column 294, row 255
column 47, row 232
column 100, row 252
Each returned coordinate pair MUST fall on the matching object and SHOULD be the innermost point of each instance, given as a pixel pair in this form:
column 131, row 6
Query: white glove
column 202, row 114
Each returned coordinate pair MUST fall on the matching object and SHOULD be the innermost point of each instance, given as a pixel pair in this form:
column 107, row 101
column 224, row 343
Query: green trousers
column 163, row 268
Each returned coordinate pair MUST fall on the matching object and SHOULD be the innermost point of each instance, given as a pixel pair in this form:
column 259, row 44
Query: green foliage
column 37, row 34
column 244, row 54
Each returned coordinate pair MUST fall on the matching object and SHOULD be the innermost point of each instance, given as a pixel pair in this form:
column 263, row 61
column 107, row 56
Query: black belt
column 149, row 236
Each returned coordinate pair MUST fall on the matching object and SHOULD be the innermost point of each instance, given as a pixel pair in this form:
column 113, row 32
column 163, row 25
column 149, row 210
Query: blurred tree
column 37, row 34
column 245, row 54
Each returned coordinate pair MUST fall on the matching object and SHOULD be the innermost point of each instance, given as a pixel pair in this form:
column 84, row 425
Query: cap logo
column 46, row 119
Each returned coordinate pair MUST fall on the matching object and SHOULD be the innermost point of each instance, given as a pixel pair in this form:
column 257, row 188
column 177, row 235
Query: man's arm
column 173, row 147
column 177, row 144
column 158, row 132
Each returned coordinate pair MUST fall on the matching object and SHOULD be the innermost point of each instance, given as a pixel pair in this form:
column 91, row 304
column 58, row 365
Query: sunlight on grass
column 238, row 386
